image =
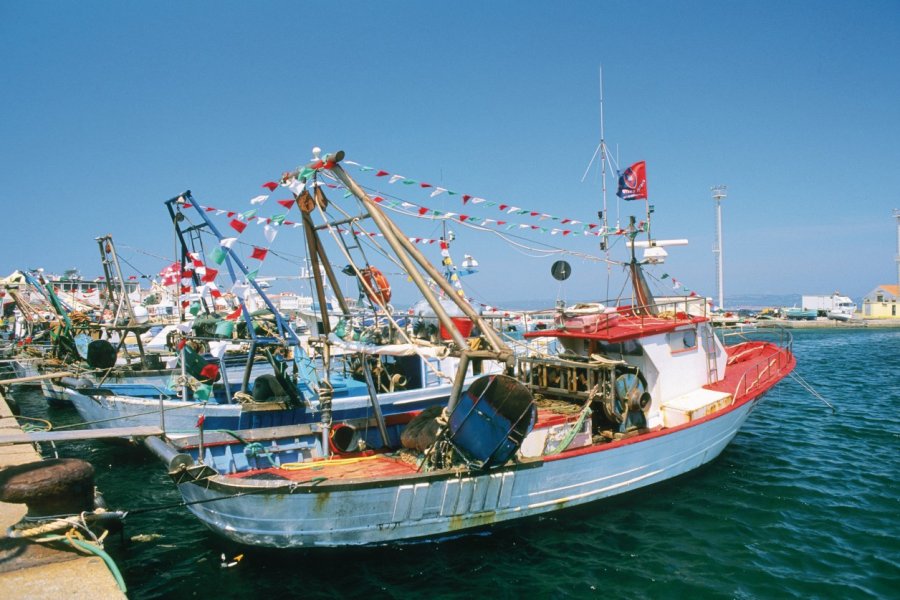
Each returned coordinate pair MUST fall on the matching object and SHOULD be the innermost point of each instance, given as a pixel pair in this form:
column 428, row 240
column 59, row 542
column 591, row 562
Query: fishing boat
column 800, row 314
column 643, row 391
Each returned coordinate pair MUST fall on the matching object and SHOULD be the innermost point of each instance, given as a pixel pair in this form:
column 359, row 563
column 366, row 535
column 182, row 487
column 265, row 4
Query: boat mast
column 604, row 244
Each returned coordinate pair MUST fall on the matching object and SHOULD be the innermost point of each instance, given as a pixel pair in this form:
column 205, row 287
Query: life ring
column 376, row 280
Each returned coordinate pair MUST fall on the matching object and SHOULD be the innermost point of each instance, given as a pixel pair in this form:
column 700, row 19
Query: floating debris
column 226, row 564
column 146, row 537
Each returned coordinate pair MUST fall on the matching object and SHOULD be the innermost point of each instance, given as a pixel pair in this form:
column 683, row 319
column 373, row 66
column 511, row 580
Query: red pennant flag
column 378, row 199
column 259, row 253
column 463, row 218
column 271, row 185
column 209, row 276
column 381, row 173
column 423, row 210
column 286, row 203
column 426, row 185
column 501, row 222
column 215, row 293
column 466, row 198
column 238, row 226
column 185, row 289
column 504, row 206
column 169, row 275
column 234, row 315
column 210, row 209
column 187, row 204
column 200, row 421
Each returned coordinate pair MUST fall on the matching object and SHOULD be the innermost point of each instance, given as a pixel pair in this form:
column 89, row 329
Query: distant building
column 882, row 303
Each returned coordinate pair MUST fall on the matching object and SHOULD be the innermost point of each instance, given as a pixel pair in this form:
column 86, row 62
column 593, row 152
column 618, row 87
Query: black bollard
column 59, row 486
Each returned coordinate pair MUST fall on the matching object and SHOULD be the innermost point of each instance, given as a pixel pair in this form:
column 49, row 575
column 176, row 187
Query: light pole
column 897, row 216
column 718, row 194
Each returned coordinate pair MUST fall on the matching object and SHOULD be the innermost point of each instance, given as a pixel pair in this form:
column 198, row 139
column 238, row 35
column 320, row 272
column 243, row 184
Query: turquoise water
column 803, row 504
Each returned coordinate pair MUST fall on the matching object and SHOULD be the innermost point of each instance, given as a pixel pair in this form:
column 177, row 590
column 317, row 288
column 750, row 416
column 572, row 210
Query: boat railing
column 764, row 368
column 780, row 336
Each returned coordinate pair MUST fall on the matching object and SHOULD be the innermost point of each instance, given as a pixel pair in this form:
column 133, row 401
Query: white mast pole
column 718, row 194
column 605, row 220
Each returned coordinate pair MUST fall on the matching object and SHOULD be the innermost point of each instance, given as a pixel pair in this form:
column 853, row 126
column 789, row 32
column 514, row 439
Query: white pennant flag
column 396, row 178
column 477, row 200
column 270, row 233
column 296, row 186
column 241, row 290
column 258, row 199
column 217, row 349
column 437, row 192
column 228, row 242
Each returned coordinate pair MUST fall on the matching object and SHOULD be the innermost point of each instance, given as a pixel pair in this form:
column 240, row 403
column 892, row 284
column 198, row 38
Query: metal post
column 897, row 216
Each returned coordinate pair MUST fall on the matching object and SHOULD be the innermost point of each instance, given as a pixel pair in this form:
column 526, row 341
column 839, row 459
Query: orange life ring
column 379, row 284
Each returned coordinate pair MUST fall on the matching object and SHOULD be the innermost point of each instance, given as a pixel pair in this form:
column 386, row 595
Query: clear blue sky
column 109, row 108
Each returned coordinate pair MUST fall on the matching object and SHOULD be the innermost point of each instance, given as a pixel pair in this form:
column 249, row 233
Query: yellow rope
column 327, row 463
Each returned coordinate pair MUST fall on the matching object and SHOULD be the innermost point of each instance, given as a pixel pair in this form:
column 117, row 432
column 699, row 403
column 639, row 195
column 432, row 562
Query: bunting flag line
column 467, row 198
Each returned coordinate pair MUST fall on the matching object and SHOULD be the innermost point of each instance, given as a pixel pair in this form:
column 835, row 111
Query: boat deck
column 366, row 465
column 753, row 368
column 622, row 325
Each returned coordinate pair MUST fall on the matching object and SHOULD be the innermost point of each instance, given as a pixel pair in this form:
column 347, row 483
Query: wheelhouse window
column 682, row 340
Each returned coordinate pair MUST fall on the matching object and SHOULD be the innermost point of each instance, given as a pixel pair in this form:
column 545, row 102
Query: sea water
column 804, row 503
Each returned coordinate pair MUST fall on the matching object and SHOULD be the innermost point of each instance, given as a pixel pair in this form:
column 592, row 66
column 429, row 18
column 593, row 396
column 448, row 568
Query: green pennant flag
column 409, row 181
column 218, row 255
column 248, row 214
column 366, row 169
column 452, row 193
column 251, row 276
column 278, row 219
column 203, row 392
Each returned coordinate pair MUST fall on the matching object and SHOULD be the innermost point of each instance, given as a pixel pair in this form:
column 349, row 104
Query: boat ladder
column 712, row 365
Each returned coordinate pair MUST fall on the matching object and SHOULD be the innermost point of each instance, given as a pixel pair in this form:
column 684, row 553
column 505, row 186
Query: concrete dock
column 30, row 569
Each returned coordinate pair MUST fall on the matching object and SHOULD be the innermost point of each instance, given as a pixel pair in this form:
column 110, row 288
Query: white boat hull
column 442, row 503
